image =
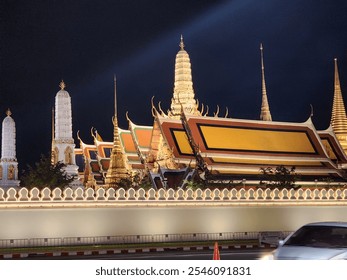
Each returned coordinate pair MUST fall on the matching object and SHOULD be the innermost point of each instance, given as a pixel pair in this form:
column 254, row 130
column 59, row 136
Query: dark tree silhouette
column 45, row 174
column 279, row 177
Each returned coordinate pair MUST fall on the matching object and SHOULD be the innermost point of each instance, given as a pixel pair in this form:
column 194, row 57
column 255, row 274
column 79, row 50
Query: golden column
column 118, row 169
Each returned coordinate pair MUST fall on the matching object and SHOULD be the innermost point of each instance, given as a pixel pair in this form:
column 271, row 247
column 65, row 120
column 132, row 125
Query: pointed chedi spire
column 8, row 143
column 183, row 88
column 265, row 114
column 63, row 145
column 338, row 116
column 8, row 161
column 118, row 168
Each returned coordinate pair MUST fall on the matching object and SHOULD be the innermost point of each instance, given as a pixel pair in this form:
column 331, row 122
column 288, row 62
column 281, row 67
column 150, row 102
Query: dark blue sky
column 85, row 42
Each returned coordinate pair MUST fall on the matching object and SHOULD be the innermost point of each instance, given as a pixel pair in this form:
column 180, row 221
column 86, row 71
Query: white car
column 315, row 241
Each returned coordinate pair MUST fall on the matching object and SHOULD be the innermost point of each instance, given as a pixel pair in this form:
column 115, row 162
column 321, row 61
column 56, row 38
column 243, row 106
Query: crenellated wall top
column 112, row 197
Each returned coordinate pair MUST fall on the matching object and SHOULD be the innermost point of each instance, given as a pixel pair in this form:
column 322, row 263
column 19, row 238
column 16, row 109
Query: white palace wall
column 81, row 213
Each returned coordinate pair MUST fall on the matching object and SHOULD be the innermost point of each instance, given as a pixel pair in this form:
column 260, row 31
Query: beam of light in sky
column 162, row 46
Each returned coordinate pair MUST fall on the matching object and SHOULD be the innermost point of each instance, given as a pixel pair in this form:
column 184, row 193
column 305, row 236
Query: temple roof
column 142, row 135
column 89, row 151
column 127, row 141
column 332, row 145
column 243, row 146
column 130, row 149
column 103, row 148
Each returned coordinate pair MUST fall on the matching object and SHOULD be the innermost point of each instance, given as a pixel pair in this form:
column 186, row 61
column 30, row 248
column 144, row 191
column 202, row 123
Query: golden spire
column 183, row 87
column 338, row 116
column 8, row 112
column 62, row 85
column 265, row 114
column 118, row 169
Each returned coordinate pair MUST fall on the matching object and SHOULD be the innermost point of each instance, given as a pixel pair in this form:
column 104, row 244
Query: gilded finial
column 262, row 56
column 337, row 78
column 181, row 43
column 62, row 85
column 8, row 112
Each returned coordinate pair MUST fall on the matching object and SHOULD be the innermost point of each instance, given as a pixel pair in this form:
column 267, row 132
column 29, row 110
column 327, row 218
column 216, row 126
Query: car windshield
column 319, row 236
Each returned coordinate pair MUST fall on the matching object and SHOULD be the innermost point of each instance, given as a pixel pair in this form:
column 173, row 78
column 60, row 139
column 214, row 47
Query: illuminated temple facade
column 187, row 141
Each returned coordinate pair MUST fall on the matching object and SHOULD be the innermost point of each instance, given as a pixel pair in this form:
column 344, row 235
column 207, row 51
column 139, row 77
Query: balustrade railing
column 131, row 239
column 67, row 195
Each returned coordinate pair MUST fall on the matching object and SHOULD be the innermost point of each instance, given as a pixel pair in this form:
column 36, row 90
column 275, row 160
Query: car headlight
column 342, row 256
column 267, row 257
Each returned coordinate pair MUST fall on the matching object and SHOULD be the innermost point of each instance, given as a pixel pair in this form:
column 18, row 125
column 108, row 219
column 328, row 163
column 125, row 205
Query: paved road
column 239, row 254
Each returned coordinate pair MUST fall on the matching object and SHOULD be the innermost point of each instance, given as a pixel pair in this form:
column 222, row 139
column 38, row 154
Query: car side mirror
column 280, row 242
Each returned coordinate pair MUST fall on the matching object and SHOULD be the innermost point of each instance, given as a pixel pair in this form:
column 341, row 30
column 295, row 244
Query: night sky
column 86, row 42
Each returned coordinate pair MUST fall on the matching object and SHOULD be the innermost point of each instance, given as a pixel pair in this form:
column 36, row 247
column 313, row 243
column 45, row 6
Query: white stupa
column 63, row 144
column 8, row 164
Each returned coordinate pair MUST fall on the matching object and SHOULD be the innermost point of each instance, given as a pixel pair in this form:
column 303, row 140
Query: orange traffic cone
column 216, row 255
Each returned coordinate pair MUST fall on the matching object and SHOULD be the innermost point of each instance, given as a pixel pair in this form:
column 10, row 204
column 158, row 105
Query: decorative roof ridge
column 328, row 130
column 96, row 136
column 162, row 119
column 307, row 122
column 133, row 125
column 102, row 158
column 121, row 130
column 153, row 108
column 88, row 146
column 82, row 144
column 104, row 143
